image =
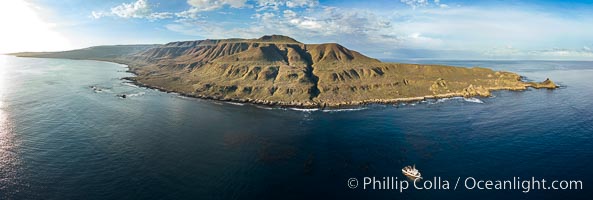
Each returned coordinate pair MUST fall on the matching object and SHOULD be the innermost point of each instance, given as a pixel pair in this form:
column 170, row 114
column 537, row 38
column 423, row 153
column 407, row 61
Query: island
column 278, row 70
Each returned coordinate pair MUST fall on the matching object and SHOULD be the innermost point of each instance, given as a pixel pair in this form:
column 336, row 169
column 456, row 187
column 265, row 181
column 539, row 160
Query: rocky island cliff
column 278, row 70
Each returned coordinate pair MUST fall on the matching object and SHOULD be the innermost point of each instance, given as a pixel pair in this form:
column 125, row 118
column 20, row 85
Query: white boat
column 411, row 172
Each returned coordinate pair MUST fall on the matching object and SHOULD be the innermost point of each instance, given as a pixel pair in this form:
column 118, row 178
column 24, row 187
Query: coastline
column 484, row 92
column 474, row 92
column 195, row 125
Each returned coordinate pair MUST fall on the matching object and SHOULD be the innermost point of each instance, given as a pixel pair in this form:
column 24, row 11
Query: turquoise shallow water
column 65, row 134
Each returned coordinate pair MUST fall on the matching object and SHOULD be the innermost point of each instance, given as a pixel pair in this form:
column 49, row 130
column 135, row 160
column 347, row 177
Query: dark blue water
column 62, row 138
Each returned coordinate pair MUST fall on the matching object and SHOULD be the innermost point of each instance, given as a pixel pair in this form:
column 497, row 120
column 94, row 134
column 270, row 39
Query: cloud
column 289, row 14
column 480, row 29
column 455, row 29
column 139, row 9
column 328, row 21
column 208, row 5
column 213, row 30
column 502, row 52
column 265, row 16
column 563, row 53
column 355, row 28
column 415, row 3
column 277, row 4
column 198, row 6
column 423, row 3
column 160, row 15
column 301, row 3
column 98, row 14
column 544, row 54
column 334, row 21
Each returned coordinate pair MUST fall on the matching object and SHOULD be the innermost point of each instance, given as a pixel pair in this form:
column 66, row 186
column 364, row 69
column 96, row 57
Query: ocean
column 66, row 133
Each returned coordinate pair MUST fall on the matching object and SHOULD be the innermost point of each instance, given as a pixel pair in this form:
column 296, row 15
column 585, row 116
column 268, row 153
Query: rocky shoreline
column 279, row 71
column 470, row 92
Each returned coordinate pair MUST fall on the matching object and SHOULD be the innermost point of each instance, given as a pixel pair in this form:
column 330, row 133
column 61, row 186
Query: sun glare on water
column 3, row 69
column 5, row 124
column 3, row 85
column 23, row 29
column 8, row 143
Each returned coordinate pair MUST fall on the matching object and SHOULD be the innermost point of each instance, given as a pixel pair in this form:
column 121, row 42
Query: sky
column 385, row 29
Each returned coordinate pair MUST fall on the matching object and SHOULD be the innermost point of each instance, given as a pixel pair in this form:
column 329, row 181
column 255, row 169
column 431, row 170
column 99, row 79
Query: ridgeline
column 278, row 70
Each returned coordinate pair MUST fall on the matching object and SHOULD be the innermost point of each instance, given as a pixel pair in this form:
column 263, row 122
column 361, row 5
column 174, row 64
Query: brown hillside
column 279, row 70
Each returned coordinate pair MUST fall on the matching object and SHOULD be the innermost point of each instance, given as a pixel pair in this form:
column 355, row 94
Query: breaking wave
column 265, row 107
column 136, row 94
column 470, row 100
column 344, row 110
column 235, row 103
column 305, row 109
column 473, row 100
column 130, row 84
